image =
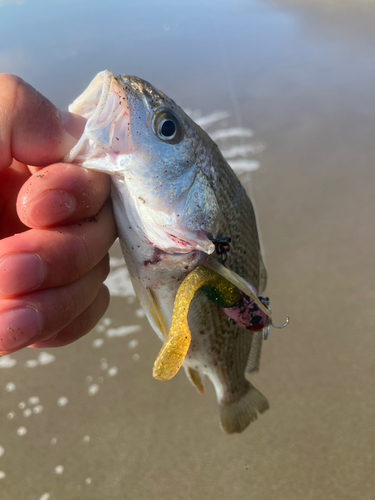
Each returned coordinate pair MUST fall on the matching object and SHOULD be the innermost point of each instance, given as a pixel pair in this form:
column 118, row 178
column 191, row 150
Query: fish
column 188, row 232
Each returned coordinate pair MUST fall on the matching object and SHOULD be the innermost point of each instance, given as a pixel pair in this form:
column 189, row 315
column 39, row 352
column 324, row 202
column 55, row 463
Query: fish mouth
column 106, row 146
column 107, row 132
column 192, row 241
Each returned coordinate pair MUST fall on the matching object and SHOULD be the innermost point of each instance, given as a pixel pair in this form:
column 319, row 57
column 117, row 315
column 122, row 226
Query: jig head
column 222, row 247
column 247, row 314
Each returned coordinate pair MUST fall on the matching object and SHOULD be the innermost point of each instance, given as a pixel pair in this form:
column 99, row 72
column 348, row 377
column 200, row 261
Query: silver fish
column 174, row 197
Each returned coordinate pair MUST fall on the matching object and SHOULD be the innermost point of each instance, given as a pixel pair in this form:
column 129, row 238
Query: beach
column 88, row 421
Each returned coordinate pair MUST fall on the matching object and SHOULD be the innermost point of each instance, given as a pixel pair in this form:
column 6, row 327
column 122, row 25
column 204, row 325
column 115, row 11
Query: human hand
column 52, row 272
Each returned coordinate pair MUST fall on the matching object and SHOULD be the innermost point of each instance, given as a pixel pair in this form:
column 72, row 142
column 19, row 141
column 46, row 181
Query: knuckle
column 71, row 303
column 82, row 255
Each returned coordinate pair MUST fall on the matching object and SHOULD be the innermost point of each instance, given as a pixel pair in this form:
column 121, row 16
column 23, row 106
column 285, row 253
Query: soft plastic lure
column 175, row 348
column 238, row 306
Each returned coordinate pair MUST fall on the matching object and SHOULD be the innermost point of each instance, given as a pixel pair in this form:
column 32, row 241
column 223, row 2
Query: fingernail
column 20, row 273
column 49, row 208
column 47, row 341
column 18, row 328
column 73, row 124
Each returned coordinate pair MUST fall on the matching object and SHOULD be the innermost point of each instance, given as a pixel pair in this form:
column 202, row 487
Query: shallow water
column 88, row 421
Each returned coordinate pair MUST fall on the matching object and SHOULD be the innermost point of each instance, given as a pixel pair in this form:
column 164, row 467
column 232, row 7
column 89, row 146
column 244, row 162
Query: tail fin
column 237, row 415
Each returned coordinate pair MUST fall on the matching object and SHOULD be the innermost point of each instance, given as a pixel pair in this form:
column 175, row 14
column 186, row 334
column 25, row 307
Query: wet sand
column 102, row 428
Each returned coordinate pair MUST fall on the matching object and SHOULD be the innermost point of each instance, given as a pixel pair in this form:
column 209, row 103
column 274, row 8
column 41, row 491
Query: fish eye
column 166, row 126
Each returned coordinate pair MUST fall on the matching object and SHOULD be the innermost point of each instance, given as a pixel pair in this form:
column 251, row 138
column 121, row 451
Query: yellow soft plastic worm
column 175, row 348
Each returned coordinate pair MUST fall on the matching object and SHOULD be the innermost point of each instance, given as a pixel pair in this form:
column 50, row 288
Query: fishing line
column 228, row 78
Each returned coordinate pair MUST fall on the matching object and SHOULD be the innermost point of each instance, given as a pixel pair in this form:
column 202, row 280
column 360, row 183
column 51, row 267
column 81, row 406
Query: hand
column 52, row 272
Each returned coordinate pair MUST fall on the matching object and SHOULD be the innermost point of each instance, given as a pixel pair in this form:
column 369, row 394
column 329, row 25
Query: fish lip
column 182, row 244
column 200, row 242
column 107, row 132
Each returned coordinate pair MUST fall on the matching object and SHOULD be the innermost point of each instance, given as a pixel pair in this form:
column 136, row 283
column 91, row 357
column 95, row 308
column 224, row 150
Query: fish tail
column 236, row 415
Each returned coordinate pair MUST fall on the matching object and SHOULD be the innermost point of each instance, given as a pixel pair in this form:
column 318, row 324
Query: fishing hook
column 266, row 331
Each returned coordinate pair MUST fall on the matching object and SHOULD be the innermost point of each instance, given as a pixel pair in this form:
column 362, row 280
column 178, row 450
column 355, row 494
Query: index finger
column 32, row 129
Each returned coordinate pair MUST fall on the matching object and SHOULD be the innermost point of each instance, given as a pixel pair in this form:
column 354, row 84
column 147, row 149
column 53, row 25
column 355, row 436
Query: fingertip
column 61, row 194
column 32, row 129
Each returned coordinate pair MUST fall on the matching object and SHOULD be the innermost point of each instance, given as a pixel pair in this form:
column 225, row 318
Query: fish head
column 161, row 160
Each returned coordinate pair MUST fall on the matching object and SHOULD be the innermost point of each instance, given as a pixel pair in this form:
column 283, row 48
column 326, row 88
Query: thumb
column 32, row 129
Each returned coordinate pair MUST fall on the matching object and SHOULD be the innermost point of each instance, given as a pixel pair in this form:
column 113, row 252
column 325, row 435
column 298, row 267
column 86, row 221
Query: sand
column 88, row 421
